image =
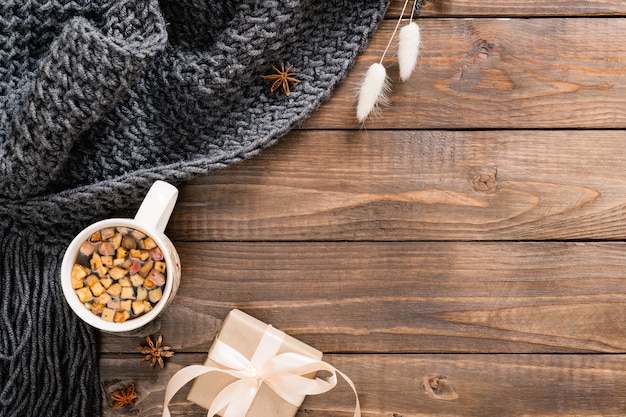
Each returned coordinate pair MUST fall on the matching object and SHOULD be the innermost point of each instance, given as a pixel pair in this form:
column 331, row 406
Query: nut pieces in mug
column 119, row 274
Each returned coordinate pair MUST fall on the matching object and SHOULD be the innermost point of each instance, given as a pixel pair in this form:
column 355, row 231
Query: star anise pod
column 123, row 396
column 155, row 352
column 282, row 78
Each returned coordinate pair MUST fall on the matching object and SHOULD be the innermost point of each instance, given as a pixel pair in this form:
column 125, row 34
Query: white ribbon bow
column 282, row 373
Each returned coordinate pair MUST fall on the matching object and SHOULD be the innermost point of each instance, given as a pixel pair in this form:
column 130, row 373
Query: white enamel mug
column 151, row 219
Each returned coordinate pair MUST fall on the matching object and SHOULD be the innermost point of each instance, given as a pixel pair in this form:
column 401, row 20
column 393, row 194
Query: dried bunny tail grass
column 373, row 91
column 375, row 85
column 408, row 49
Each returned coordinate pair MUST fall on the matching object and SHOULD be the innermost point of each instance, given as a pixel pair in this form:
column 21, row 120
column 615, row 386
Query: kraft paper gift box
column 244, row 333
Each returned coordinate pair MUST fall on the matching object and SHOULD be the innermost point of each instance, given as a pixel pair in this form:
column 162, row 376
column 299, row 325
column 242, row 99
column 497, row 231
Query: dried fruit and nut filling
column 119, row 274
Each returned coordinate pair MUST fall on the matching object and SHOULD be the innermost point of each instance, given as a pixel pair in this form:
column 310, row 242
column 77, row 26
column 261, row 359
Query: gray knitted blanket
column 100, row 98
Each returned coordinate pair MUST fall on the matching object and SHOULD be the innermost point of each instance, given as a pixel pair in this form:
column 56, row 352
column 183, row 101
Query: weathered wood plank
column 421, row 385
column 390, row 290
column 405, row 297
column 498, row 73
column 394, row 185
column 513, row 8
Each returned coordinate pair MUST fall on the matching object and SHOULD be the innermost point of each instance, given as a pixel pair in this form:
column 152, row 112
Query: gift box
column 244, row 333
column 255, row 370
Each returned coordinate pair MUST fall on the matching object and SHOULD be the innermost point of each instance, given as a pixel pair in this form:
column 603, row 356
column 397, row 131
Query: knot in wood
column 438, row 387
column 485, row 182
column 434, row 383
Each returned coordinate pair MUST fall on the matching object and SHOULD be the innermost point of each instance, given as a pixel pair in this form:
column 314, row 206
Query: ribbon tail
column 179, row 380
column 289, row 382
column 357, row 407
column 236, row 398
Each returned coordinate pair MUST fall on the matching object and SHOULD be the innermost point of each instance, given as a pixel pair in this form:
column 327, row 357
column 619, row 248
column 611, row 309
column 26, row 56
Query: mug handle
column 156, row 208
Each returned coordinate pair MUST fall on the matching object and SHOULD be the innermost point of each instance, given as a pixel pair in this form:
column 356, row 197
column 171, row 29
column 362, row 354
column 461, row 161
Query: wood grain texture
column 420, row 385
column 415, row 185
column 498, row 73
column 405, row 297
column 460, row 255
column 513, row 8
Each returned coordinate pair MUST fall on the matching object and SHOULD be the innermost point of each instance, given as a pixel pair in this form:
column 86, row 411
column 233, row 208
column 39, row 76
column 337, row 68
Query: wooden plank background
column 461, row 254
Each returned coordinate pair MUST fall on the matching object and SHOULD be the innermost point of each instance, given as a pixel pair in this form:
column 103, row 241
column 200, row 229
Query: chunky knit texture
column 100, row 98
